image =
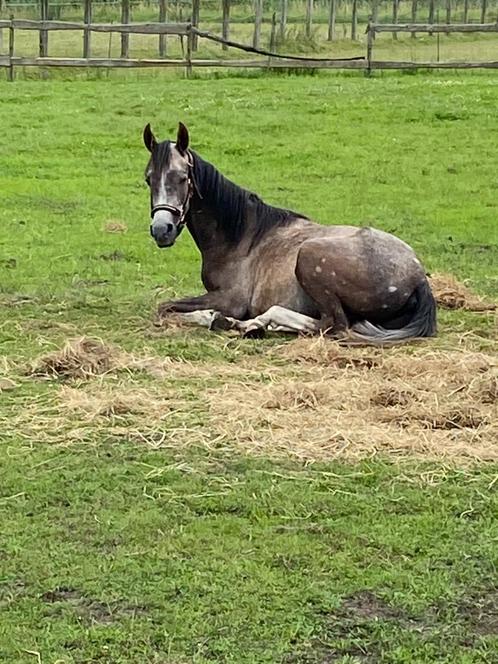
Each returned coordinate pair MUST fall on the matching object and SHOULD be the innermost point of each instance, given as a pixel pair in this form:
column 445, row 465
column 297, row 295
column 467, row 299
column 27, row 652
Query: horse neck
column 219, row 206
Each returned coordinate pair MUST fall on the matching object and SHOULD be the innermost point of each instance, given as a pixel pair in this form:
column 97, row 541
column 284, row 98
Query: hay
column 452, row 294
column 310, row 399
column 429, row 405
column 114, row 226
column 85, row 357
column 7, row 384
column 78, row 358
column 114, row 402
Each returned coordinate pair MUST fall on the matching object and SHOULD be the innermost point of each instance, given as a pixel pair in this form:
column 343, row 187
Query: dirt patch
column 480, row 613
column 367, row 606
column 87, row 609
column 452, row 294
column 115, row 256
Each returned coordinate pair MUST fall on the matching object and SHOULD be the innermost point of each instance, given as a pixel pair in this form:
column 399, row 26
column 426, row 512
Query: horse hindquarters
column 367, row 276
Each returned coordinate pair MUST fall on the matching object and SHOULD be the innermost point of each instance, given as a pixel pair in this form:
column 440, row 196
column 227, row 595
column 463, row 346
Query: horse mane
column 231, row 202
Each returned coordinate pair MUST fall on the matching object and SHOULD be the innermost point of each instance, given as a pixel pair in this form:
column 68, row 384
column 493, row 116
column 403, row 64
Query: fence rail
column 269, row 59
column 434, row 27
column 132, row 28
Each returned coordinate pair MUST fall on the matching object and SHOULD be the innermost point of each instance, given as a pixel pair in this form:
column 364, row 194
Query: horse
column 268, row 268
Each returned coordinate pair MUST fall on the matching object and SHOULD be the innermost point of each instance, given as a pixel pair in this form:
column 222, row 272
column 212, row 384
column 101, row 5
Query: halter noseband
column 180, row 212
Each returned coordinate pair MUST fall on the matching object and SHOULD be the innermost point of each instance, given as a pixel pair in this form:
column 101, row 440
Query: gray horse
column 268, row 268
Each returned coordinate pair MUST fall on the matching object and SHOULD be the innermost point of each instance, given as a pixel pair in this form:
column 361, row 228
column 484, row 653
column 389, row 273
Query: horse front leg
column 229, row 304
column 275, row 319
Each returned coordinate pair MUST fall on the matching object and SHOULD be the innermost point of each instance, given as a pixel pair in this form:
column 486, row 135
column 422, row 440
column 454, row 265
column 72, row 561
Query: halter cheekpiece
column 180, row 212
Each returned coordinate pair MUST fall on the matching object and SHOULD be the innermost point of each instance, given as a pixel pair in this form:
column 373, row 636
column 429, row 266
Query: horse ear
column 149, row 138
column 182, row 138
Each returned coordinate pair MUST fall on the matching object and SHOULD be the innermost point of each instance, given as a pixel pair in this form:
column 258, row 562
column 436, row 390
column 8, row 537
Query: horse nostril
column 151, row 230
column 169, row 227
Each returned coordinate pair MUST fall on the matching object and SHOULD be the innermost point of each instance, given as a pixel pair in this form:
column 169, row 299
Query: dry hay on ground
column 78, row 358
column 87, row 357
column 356, row 403
column 115, row 401
column 452, row 294
column 311, row 399
column 114, row 226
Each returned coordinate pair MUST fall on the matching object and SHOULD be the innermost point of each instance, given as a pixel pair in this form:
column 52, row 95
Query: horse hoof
column 254, row 333
column 164, row 309
column 220, row 324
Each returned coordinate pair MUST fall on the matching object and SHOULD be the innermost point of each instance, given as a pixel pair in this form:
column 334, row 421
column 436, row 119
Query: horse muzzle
column 163, row 229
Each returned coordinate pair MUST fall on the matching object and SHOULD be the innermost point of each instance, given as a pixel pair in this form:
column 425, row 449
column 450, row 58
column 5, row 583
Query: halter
column 180, row 212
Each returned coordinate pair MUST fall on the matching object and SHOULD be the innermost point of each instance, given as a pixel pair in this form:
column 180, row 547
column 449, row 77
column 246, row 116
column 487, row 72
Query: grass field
column 169, row 495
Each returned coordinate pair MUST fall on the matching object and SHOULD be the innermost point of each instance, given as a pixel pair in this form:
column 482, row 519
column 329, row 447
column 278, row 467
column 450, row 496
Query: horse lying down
column 268, row 268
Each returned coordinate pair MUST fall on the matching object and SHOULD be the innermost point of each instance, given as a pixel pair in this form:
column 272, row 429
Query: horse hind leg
column 321, row 285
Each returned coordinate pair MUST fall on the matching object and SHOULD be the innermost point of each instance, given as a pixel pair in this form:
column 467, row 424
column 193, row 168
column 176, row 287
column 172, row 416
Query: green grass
column 115, row 552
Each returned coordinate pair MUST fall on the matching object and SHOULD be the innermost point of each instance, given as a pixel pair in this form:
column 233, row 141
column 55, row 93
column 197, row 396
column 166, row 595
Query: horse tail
column 422, row 324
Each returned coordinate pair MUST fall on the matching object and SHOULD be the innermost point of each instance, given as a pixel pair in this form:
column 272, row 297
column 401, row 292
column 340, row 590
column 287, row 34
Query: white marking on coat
column 392, row 289
column 318, row 269
column 323, row 260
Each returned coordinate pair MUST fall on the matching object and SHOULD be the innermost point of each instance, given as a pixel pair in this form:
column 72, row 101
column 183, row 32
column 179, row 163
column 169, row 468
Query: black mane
column 230, row 203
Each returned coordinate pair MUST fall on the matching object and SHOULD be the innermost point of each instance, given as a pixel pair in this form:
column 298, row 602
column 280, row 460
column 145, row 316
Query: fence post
column 395, row 16
column 332, row 17
column 163, row 18
column 195, row 22
column 11, row 48
column 354, row 20
column 2, row 7
column 414, row 15
column 273, row 33
column 258, row 17
column 225, row 28
column 466, row 11
column 431, row 14
column 43, row 33
column 87, row 34
column 125, row 38
column 283, row 19
column 448, row 11
column 188, row 68
column 370, row 40
column 309, row 17
column 375, row 11
column 484, row 8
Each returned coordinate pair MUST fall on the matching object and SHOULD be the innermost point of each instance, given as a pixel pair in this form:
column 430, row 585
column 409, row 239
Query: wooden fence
column 190, row 12
column 431, row 28
column 271, row 59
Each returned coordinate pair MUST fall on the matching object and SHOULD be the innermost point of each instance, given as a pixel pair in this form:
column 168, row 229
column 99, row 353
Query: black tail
column 423, row 323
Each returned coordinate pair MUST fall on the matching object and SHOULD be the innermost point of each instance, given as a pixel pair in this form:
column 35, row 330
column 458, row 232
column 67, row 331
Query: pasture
column 170, row 495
